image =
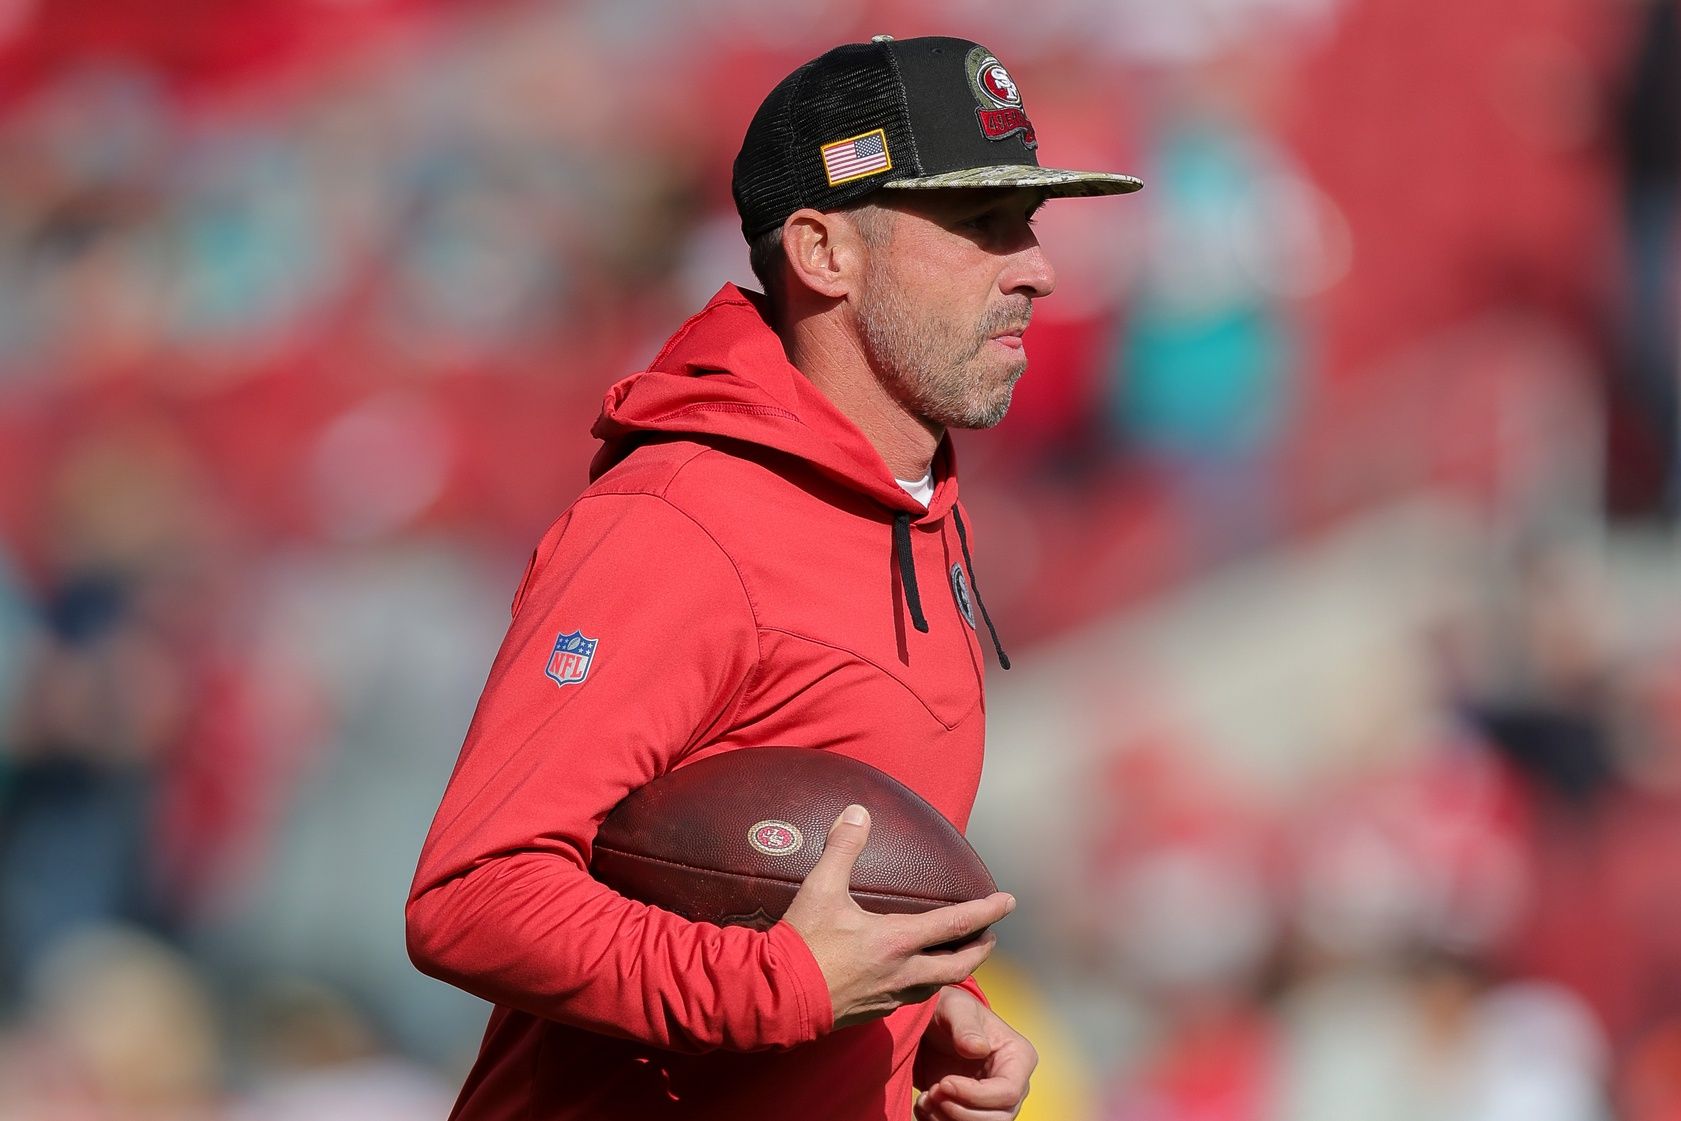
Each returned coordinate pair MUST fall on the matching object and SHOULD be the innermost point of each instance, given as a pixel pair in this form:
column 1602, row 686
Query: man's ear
column 825, row 254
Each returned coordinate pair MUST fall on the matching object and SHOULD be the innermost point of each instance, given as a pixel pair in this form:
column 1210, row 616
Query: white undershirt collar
column 920, row 489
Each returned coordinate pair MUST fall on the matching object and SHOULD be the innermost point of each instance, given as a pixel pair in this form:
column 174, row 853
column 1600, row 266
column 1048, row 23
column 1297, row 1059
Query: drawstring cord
column 975, row 586
column 907, row 569
column 907, row 577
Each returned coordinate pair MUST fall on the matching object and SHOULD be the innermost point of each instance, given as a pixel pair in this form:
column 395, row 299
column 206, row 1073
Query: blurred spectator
column 388, row 637
column 1650, row 1086
column 116, row 1028
column 1546, row 705
column 108, row 695
column 18, row 628
column 1650, row 358
column 318, row 1059
column 1434, row 1042
column 1183, row 914
column 1211, row 348
column 1431, row 853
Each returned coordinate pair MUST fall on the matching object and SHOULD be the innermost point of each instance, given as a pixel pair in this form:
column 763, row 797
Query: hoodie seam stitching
column 948, row 725
column 742, row 690
column 760, row 627
column 671, row 343
column 748, row 679
column 689, row 325
column 746, row 594
column 733, row 407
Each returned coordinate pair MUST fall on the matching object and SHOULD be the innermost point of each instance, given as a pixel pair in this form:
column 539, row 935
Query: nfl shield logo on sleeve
column 570, row 662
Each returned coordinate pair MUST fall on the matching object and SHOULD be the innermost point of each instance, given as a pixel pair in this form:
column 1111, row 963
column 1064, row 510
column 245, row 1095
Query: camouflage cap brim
column 1056, row 182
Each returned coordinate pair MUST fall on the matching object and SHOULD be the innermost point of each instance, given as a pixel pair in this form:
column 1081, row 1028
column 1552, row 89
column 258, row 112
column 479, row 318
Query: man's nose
column 1030, row 273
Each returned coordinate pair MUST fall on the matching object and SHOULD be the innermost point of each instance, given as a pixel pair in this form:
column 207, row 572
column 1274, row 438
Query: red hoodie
column 732, row 578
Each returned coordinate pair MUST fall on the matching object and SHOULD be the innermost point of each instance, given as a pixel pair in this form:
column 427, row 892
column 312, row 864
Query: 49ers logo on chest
column 1000, row 112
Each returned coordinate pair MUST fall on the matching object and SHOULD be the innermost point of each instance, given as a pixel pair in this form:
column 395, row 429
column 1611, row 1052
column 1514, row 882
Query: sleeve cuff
column 789, row 952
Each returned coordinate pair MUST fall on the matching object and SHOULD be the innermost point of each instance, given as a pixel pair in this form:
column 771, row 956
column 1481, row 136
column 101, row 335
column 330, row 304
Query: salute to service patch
column 1000, row 113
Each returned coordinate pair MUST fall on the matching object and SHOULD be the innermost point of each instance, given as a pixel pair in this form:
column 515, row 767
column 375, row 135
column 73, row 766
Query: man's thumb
column 847, row 837
column 968, row 1029
column 849, row 832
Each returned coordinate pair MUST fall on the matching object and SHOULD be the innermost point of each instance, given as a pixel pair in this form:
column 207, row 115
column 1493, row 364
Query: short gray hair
column 766, row 258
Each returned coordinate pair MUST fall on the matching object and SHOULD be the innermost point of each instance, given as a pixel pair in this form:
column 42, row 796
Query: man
column 771, row 552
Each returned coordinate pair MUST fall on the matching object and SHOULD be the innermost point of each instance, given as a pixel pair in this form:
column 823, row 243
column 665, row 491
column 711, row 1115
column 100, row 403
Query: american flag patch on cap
column 856, row 157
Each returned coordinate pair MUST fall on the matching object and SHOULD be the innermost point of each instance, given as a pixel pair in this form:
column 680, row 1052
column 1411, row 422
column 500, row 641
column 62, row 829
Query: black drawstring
column 975, row 586
column 907, row 577
column 907, row 568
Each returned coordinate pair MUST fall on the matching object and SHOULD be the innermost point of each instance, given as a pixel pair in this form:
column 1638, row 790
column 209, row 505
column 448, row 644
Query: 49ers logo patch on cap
column 1000, row 112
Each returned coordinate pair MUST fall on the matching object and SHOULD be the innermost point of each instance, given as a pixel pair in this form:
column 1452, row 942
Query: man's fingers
column 933, row 1107
column 1003, row 1087
column 874, row 963
column 978, row 1093
column 1014, row 1062
column 958, row 922
column 918, row 993
column 951, row 967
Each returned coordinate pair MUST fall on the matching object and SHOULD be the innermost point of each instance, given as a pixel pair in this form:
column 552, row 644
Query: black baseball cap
column 893, row 114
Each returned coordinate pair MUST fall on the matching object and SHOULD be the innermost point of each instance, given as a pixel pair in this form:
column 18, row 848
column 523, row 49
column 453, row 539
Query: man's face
column 947, row 295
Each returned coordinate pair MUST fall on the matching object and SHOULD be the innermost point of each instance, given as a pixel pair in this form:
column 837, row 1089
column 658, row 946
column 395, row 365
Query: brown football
column 728, row 839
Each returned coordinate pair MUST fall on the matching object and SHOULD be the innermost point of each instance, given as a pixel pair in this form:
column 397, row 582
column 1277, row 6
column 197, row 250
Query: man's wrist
column 789, row 952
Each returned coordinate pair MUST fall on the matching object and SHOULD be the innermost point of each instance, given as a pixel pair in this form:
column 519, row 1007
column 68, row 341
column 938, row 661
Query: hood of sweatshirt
column 725, row 375
column 698, row 384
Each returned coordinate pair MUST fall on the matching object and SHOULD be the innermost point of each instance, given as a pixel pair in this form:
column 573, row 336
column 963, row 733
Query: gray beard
column 922, row 373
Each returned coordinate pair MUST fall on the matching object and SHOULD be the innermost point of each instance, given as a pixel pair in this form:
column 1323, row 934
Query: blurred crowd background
column 1333, row 528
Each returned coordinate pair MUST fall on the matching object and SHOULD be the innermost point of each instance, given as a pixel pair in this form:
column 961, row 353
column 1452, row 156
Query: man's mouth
column 1010, row 336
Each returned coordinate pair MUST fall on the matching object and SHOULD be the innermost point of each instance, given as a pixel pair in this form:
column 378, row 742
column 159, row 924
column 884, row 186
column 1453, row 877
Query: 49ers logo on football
column 775, row 838
column 1000, row 113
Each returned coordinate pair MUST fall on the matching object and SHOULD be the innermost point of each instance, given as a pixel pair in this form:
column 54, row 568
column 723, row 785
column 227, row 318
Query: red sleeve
column 973, row 986
column 502, row 904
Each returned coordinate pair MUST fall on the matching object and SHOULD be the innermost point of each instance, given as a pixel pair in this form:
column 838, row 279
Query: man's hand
column 975, row 1065
column 876, row 963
